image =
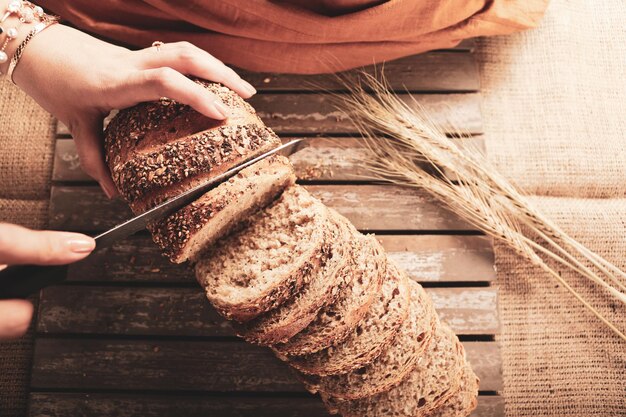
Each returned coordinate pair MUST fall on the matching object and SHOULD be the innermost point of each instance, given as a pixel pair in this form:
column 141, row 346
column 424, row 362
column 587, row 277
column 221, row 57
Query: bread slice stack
column 292, row 274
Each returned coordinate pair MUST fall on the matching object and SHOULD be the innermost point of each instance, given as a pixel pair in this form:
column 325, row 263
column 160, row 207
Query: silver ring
column 157, row 45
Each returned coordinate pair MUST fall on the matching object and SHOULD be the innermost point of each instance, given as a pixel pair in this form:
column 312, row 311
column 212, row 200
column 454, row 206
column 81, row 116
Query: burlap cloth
column 26, row 155
column 554, row 121
column 555, row 115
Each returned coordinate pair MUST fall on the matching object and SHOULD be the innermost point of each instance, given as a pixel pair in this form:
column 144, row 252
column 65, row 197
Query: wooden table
column 129, row 334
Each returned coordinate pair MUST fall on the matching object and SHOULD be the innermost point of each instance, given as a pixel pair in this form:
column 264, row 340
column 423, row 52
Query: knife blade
column 139, row 222
column 20, row 281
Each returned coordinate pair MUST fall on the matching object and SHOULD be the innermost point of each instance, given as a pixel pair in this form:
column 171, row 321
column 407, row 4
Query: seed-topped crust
column 249, row 191
column 156, row 150
column 144, row 179
column 150, row 124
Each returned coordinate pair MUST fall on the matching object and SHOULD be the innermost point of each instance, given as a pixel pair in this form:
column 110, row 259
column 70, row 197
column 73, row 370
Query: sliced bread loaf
column 432, row 382
column 158, row 149
column 283, row 322
column 393, row 365
column 194, row 228
column 334, row 322
column 257, row 269
column 463, row 401
column 370, row 337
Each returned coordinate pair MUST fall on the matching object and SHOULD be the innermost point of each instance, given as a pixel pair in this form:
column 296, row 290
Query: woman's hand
column 19, row 245
column 80, row 79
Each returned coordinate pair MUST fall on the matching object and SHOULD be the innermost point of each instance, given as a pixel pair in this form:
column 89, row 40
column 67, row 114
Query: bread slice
column 464, row 400
column 158, row 149
column 435, row 378
column 370, row 337
column 282, row 323
column 393, row 365
column 334, row 323
column 191, row 230
column 262, row 266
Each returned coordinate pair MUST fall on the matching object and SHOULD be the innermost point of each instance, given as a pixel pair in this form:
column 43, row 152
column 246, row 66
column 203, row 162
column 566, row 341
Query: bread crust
column 174, row 233
column 413, row 337
column 408, row 395
column 310, row 340
column 334, row 360
column 463, row 401
column 288, row 287
column 268, row 329
column 149, row 125
column 158, row 149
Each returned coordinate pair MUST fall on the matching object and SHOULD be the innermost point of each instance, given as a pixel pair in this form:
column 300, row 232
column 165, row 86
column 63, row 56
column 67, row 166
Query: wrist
column 20, row 21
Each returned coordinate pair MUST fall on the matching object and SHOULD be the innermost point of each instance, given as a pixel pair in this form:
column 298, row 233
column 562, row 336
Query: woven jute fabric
column 554, row 101
column 558, row 359
column 26, row 155
column 28, row 213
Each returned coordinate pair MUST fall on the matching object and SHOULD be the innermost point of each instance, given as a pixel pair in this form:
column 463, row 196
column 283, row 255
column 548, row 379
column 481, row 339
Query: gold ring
column 157, row 45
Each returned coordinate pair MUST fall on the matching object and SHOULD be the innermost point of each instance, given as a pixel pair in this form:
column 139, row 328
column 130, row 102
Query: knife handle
column 20, row 281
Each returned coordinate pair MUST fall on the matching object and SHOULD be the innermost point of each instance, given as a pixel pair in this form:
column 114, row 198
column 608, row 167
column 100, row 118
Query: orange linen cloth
column 301, row 36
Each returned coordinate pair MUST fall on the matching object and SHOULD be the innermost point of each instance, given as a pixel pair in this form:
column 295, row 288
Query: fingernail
column 248, row 87
column 222, row 109
column 108, row 190
column 81, row 244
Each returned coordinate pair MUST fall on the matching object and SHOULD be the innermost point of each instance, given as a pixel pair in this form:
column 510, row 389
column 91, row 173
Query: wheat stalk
column 400, row 138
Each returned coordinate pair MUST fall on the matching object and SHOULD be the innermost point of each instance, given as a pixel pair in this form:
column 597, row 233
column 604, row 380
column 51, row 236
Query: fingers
column 166, row 82
column 15, row 316
column 19, row 245
column 89, row 144
column 191, row 60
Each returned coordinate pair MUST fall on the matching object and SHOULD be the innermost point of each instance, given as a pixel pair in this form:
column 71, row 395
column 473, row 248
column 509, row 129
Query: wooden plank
column 316, row 113
column 322, row 159
column 58, row 404
column 87, row 364
column 369, row 207
column 341, row 159
column 429, row 72
column 186, row 312
column 442, row 258
column 426, row 258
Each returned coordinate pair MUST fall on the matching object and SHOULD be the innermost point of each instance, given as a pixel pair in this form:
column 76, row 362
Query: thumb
column 15, row 316
column 19, row 245
column 88, row 137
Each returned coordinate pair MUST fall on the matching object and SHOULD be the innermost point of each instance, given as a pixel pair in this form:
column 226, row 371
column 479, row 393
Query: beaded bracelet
column 20, row 49
column 27, row 13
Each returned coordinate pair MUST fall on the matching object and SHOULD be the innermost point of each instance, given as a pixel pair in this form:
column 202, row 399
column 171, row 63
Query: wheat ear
column 404, row 146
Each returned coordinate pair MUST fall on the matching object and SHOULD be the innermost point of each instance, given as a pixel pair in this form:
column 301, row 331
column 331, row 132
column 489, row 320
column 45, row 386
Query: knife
column 20, row 281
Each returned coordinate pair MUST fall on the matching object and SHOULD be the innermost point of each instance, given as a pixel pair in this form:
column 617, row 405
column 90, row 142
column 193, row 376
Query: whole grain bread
column 393, row 365
column 283, row 322
column 334, row 322
column 156, row 150
column 262, row 266
column 464, row 400
column 435, row 379
column 370, row 337
column 193, row 229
